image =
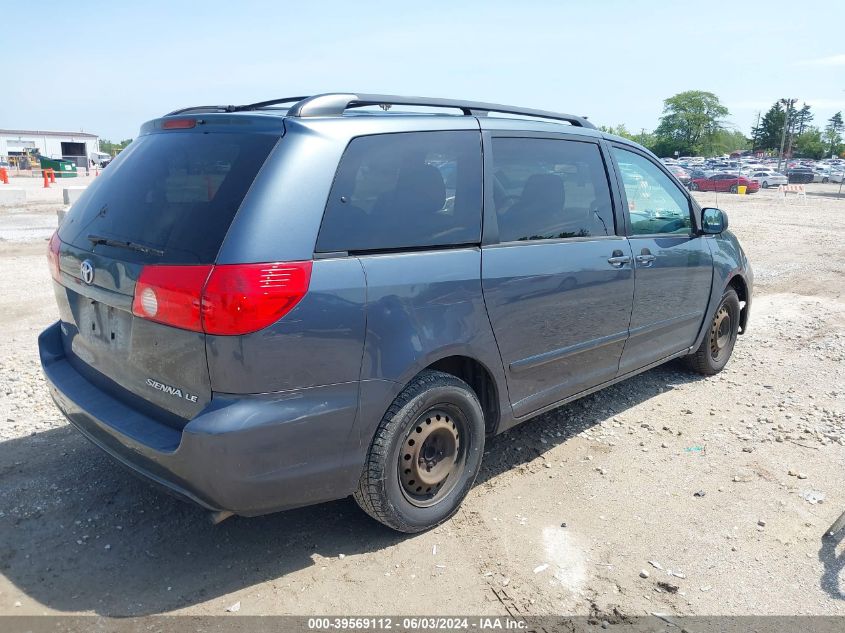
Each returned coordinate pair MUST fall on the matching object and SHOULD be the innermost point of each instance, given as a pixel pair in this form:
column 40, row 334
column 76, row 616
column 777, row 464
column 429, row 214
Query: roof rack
column 335, row 104
column 237, row 108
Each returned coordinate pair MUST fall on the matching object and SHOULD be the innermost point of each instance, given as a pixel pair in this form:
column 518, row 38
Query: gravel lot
column 718, row 490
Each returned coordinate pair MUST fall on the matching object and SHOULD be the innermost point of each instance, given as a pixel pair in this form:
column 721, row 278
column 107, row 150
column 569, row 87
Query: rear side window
column 550, row 189
column 408, row 190
column 175, row 193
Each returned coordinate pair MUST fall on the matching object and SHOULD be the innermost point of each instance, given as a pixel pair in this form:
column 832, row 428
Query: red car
column 724, row 182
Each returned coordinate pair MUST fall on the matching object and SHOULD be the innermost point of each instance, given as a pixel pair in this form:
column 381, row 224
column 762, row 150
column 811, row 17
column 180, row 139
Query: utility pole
column 788, row 103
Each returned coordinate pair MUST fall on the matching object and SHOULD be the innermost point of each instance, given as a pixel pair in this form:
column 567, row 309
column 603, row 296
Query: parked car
column 680, row 173
column 345, row 323
column 768, row 178
column 799, row 175
column 99, row 159
column 821, row 175
column 724, row 182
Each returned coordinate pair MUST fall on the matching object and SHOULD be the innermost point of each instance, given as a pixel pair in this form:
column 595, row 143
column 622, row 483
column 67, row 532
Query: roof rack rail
column 237, row 108
column 208, row 108
column 335, row 104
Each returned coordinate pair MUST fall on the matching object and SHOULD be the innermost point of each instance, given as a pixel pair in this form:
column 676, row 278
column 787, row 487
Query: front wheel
column 718, row 344
column 765, row 184
column 734, row 189
column 825, row 180
column 693, row 186
column 425, row 454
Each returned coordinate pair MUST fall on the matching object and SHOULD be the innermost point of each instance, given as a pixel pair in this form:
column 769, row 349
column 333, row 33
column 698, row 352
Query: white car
column 821, row 175
column 769, row 178
column 837, row 176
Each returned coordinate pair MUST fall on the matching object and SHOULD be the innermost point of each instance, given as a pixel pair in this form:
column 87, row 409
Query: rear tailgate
column 159, row 368
column 166, row 200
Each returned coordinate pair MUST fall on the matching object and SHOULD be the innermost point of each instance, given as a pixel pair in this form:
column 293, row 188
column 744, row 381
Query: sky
column 106, row 67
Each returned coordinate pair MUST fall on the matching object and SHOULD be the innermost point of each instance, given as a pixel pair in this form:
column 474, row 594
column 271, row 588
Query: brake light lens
column 53, row 256
column 179, row 124
column 224, row 300
column 171, row 295
column 244, row 298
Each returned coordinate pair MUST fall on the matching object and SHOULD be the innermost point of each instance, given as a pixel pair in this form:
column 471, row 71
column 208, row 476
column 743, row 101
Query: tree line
column 693, row 124
column 110, row 148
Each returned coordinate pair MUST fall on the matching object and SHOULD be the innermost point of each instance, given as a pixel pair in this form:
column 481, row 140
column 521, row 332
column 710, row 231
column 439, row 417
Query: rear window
column 407, row 190
column 174, row 193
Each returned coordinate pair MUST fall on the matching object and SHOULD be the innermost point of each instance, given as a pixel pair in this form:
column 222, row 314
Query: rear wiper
column 133, row 246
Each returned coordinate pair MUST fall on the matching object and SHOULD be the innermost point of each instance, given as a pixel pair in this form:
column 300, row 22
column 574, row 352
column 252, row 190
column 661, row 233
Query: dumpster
column 62, row 168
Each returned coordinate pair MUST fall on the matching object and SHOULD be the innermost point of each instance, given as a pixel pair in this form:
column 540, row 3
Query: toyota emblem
column 87, row 270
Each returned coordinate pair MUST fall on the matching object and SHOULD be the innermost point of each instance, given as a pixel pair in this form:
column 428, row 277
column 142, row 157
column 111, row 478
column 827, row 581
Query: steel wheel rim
column 721, row 333
column 432, row 456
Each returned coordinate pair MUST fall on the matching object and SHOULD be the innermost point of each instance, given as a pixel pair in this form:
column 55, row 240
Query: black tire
column 693, row 186
column 825, row 180
column 385, row 491
column 765, row 184
column 734, row 189
column 718, row 344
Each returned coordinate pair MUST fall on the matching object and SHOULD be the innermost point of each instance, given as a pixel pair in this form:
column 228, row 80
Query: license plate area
column 103, row 325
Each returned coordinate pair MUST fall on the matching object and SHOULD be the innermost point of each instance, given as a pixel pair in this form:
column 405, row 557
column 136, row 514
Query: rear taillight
column 53, row 256
column 226, row 300
column 244, row 298
column 171, row 295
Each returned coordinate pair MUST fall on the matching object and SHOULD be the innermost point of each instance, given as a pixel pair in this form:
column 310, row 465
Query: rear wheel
column 825, row 180
column 693, row 186
column 425, row 454
column 718, row 344
column 765, row 184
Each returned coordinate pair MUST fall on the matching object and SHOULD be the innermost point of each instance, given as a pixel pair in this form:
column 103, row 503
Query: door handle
column 645, row 258
column 617, row 260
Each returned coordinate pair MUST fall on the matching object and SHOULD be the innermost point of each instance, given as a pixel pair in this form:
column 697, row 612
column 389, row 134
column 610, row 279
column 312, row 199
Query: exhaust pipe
column 219, row 516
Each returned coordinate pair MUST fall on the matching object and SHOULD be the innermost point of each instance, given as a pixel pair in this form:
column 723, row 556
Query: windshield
column 174, row 193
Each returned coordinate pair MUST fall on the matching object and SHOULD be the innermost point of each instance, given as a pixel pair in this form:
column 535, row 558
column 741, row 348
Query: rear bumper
column 250, row 454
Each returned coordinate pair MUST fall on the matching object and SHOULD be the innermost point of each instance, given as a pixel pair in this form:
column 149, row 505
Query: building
column 76, row 146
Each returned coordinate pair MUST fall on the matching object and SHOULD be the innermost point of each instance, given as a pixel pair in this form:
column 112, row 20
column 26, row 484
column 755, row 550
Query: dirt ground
column 717, row 489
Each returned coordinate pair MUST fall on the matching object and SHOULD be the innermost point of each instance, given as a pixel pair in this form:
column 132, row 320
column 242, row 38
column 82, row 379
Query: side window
column 655, row 203
column 550, row 189
column 408, row 190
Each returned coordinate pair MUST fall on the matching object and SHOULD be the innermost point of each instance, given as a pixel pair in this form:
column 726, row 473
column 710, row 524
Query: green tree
column 618, row 130
column 766, row 136
column 725, row 142
column 810, row 144
column 689, row 121
column 803, row 118
column 108, row 147
column 646, row 139
column 833, row 133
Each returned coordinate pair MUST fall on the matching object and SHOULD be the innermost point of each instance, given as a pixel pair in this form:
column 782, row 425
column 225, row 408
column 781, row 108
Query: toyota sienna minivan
column 284, row 303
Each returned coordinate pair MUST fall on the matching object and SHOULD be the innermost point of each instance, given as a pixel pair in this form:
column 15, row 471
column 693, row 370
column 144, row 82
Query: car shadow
column 832, row 564
column 528, row 441
column 79, row 533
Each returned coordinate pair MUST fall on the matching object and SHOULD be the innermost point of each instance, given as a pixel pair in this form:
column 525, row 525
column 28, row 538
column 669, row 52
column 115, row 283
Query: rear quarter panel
column 422, row 307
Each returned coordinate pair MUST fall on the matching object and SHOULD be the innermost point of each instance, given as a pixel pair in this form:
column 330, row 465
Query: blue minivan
column 283, row 303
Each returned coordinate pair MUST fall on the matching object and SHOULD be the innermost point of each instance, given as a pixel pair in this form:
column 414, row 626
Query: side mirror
column 713, row 221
